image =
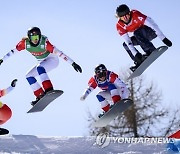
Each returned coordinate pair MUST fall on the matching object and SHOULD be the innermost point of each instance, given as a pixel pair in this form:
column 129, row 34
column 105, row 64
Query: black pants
column 143, row 37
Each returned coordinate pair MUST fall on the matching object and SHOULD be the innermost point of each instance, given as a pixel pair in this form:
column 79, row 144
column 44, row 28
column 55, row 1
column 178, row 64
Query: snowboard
column 3, row 131
column 148, row 61
column 45, row 101
column 118, row 108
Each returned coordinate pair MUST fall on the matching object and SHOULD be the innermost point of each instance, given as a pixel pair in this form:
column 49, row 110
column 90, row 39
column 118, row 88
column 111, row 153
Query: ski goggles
column 100, row 71
column 101, row 74
column 125, row 17
column 34, row 37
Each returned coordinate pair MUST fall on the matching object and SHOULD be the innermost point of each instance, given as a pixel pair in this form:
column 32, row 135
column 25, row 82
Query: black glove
column 167, row 42
column 13, row 83
column 77, row 67
column 1, row 61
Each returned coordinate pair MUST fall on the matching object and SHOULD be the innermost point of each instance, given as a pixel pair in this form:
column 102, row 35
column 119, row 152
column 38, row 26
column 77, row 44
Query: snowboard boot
column 147, row 53
column 101, row 114
column 37, row 99
column 48, row 90
column 111, row 106
column 138, row 59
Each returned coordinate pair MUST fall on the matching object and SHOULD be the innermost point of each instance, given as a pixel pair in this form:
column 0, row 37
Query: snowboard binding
column 137, row 64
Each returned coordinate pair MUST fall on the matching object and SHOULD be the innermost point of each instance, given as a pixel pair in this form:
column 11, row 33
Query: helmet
column 122, row 10
column 100, row 70
column 34, row 31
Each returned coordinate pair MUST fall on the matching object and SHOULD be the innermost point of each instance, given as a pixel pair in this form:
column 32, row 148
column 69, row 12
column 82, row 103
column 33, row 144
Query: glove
column 1, row 61
column 83, row 98
column 77, row 67
column 1, row 104
column 13, row 83
column 167, row 42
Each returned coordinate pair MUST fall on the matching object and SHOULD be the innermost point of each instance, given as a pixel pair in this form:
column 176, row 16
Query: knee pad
column 100, row 98
column 41, row 70
column 31, row 80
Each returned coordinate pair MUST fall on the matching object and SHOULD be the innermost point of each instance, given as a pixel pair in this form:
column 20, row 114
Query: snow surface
column 25, row 144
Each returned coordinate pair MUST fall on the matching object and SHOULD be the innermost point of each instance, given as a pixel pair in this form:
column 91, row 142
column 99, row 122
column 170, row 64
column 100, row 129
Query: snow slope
column 72, row 145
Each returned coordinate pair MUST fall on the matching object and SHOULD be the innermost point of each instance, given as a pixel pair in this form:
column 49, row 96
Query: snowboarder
column 46, row 54
column 113, row 88
column 144, row 30
column 5, row 111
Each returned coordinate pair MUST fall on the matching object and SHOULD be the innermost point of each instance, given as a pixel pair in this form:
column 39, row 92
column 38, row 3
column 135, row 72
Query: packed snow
column 70, row 145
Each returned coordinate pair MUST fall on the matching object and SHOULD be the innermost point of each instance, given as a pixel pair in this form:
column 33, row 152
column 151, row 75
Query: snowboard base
column 45, row 101
column 148, row 61
column 118, row 108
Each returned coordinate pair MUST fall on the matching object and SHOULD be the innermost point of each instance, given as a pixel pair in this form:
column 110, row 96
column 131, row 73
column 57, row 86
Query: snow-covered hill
column 73, row 145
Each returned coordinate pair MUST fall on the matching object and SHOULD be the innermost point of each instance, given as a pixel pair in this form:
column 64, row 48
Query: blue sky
column 86, row 32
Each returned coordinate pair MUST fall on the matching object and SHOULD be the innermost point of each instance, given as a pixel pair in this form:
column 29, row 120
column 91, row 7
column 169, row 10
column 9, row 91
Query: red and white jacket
column 137, row 20
column 111, row 77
